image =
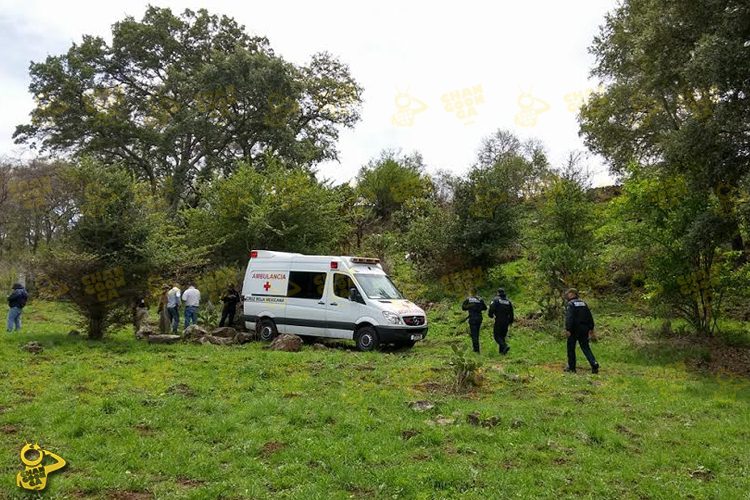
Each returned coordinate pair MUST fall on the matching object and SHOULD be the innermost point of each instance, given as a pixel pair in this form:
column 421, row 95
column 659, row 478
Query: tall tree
column 388, row 182
column 176, row 98
column 676, row 96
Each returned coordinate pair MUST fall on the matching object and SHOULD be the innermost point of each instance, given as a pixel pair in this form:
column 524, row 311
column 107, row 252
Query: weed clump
column 467, row 369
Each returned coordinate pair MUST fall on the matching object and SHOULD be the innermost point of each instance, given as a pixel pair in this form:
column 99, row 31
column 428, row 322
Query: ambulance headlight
column 392, row 318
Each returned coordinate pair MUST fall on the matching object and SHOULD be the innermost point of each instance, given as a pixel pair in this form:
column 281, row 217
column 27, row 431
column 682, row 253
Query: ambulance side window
column 306, row 285
column 342, row 283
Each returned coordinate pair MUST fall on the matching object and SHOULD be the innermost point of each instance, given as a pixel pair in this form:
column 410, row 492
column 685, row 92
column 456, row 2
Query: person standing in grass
column 502, row 310
column 161, row 310
column 475, row 305
column 192, row 299
column 16, row 302
column 230, row 299
column 579, row 324
column 173, row 307
column 140, row 314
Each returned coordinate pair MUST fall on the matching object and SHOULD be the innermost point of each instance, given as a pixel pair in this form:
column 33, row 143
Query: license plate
column 416, row 337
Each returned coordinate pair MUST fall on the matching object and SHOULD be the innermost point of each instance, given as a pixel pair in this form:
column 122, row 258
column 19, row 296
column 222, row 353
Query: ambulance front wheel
column 267, row 330
column 367, row 339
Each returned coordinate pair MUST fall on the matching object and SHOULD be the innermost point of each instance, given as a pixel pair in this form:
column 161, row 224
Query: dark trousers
column 583, row 341
column 174, row 317
column 227, row 313
column 500, row 332
column 474, row 331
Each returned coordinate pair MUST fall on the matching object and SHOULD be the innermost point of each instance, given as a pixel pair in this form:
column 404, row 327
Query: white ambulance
column 334, row 297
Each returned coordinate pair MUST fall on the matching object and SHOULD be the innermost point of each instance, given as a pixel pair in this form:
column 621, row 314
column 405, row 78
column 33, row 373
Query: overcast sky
column 524, row 65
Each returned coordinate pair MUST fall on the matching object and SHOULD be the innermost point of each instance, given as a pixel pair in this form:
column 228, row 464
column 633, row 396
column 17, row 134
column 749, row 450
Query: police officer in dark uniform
column 579, row 324
column 502, row 310
column 475, row 306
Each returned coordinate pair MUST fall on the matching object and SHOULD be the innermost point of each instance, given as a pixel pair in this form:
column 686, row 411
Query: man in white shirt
column 173, row 307
column 192, row 299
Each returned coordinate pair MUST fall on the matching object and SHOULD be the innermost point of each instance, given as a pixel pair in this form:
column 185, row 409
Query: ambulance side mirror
column 355, row 296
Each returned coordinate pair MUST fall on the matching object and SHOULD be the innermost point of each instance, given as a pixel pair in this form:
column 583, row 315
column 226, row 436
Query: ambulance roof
column 268, row 256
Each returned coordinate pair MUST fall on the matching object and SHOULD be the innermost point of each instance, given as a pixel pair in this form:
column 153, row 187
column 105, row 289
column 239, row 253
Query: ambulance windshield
column 378, row 286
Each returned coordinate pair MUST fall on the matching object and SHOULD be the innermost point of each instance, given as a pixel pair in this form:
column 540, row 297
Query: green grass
column 192, row 421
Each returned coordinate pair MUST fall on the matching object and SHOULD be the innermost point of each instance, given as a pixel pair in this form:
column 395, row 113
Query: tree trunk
column 96, row 325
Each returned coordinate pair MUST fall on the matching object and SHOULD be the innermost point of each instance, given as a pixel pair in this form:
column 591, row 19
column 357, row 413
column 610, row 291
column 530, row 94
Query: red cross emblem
column 267, row 286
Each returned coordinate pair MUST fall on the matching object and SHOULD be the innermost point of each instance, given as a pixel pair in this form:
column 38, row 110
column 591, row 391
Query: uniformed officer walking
column 475, row 306
column 579, row 324
column 501, row 309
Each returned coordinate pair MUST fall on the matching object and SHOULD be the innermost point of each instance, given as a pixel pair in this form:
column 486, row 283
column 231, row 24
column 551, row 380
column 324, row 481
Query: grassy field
column 135, row 420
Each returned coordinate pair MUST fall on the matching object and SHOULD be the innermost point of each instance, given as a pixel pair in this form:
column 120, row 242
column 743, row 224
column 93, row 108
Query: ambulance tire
column 367, row 339
column 267, row 329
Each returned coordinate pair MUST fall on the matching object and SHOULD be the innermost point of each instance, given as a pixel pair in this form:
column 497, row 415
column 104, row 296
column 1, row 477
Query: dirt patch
column 431, row 387
column 270, row 448
column 190, row 483
column 129, row 495
column 9, row 429
column 144, row 429
column 725, row 360
column 702, row 474
column 626, row 432
column 182, row 390
column 409, row 433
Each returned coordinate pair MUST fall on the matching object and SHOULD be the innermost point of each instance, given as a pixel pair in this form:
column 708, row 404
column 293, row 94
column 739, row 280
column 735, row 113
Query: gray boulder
column 225, row 331
column 287, row 343
column 243, row 337
column 212, row 339
column 164, row 339
column 194, row 332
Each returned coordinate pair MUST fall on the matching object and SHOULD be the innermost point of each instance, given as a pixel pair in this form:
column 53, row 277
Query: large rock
column 286, row 342
column 146, row 331
column 239, row 318
column 163, row 339
column 33, row 347
column 243, row 337
column 194, row 332
column 212, row 339
column 224, row 331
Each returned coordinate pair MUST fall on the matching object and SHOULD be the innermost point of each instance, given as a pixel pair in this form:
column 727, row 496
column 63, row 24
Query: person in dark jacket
column 230, row 299
column 16, row 302
column 579, row 324
column 502, row 310
column 475, row 305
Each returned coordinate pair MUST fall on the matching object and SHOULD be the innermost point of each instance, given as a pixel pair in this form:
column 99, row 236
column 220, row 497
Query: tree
column 39, row 207
column 276, row 209
column 680, row 230
column 178, row 98
column 563, row 235
column 676, row 92
column 429, row 236
column 116, row 244
column 390, row 181
column 487, row 202
column 525, row 161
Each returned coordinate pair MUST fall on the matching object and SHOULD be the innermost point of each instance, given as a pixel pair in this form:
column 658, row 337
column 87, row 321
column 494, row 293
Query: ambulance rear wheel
column 267, row 330
column 367, row 339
